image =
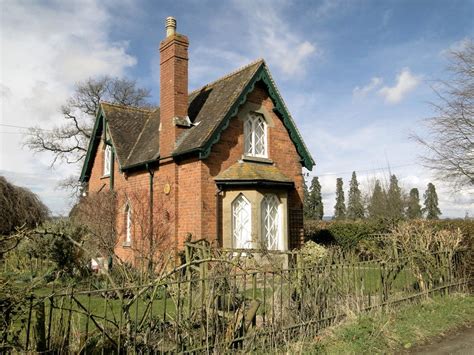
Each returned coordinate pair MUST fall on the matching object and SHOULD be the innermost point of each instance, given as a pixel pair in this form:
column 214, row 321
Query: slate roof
column 135, row 131
column 249, row 171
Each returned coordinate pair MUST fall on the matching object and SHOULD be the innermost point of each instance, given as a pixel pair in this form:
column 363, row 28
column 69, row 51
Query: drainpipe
column 218, row 215
column 151, row 173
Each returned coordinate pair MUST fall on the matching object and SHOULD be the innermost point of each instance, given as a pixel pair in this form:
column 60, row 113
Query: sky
column 357, row 76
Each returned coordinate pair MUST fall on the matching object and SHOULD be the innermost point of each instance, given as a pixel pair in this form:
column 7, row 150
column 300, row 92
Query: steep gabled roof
column 135, row 131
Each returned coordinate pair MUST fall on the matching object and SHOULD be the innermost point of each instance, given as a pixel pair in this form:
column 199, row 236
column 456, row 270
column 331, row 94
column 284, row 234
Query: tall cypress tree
column 315, row 203
column 340, row 207
column 414, row 208
column 394, row 199
column 355, row 207
column 377, row 203
column 431, row 209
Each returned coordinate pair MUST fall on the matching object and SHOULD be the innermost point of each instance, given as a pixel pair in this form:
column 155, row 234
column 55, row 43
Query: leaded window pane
column 271, row 221
column 255, row 135
column 241, row 223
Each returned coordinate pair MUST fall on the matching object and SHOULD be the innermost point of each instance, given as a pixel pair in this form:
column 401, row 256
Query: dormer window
column 255, row 133
column 107, row 159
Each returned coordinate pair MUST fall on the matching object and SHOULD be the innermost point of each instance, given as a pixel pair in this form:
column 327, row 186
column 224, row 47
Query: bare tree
column 68, row 142
column 450, row 139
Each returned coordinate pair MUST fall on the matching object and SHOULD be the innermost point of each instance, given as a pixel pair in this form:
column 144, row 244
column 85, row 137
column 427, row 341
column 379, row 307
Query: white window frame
column 128, row 225
column 107, row 159
column 251, row 138
column 272, row 224
column 237, row 241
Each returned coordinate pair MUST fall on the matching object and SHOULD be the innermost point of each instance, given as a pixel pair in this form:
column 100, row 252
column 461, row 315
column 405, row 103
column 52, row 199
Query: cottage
column 223, row 162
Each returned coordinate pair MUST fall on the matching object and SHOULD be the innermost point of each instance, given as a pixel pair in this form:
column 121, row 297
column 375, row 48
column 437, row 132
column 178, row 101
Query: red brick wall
column 191, row 201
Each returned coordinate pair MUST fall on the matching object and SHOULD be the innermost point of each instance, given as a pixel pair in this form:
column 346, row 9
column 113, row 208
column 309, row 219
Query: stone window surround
column 255, row 197
column 260, row 109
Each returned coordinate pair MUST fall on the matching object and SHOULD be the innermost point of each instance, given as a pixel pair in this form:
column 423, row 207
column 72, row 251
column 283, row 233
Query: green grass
column 397, row 329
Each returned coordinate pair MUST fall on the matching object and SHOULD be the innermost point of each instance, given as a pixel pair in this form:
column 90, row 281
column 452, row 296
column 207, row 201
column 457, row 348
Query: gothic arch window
column 271, row 222
column 241, row 223
column 255, row 134
column 107, row 159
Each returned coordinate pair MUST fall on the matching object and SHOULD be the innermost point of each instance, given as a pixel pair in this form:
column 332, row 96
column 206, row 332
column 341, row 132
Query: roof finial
column 170, row 26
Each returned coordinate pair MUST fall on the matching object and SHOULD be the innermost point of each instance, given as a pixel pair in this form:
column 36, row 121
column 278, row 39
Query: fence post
column 40, row 331
column 29, row 324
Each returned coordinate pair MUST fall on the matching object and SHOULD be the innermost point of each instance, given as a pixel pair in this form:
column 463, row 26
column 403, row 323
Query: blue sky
column 356, row 75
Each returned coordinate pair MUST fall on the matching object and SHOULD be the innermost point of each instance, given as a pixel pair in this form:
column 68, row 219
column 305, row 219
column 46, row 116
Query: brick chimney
column 173, row 87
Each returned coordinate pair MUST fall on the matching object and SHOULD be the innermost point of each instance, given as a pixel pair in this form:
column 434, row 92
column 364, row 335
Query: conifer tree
column 431, row 209
column 394, row 199
column 355, row 207
column 414, row 208
column 315, row 205
column 377, row 202
column 340, row 207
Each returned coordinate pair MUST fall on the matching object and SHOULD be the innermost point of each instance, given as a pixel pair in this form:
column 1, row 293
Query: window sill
column 105, row 177
column 127, row 245
column 257, row 159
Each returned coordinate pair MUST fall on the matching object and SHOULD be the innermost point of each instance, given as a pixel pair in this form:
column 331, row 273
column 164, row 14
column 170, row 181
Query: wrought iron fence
column 222, row 303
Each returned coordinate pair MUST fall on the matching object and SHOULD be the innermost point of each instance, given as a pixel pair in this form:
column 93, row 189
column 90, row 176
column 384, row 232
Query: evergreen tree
column 306, row 212
column 414, row 208
column 340, row 207
column 394, row 199
column 377, row 202
column 355, row 207
column 315, row 203
column 431, row 209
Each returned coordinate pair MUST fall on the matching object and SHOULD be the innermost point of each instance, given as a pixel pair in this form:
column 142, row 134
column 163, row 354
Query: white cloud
column 274, row 39
column 406, row 82
column 358, row 91
column 46, row 47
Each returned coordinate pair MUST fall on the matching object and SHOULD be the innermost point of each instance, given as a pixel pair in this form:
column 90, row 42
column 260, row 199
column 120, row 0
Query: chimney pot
column 170, row 26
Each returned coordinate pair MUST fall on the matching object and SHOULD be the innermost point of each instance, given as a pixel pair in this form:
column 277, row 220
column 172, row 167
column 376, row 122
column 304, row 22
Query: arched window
column 107, row 159
column 271, row 222
column 255, row 133
column 128, row 225
column 241, row 223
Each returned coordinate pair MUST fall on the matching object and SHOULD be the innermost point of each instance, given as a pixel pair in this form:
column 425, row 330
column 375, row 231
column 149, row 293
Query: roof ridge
column 236, row 71
column 127, row 106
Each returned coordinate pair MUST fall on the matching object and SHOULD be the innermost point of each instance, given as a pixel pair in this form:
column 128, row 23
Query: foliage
column 394, row 200
column 60, row 242
column 377, row 202
column 19, row 207
column 312, row 253
column 431, row 209
column 340, row 207
column 345, row 234
column 315, row 209
column 355, row 207
column 450, row 142
column 414, row 208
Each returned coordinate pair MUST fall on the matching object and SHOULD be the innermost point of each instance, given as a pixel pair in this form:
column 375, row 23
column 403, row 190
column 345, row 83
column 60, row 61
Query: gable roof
column 135, row 131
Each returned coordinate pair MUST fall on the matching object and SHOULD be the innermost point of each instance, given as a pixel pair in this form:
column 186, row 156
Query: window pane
column 107, row 159
column 241, row 223
column 271, row 222
column 260, row 137
column 248, row 137
column 129, row 225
